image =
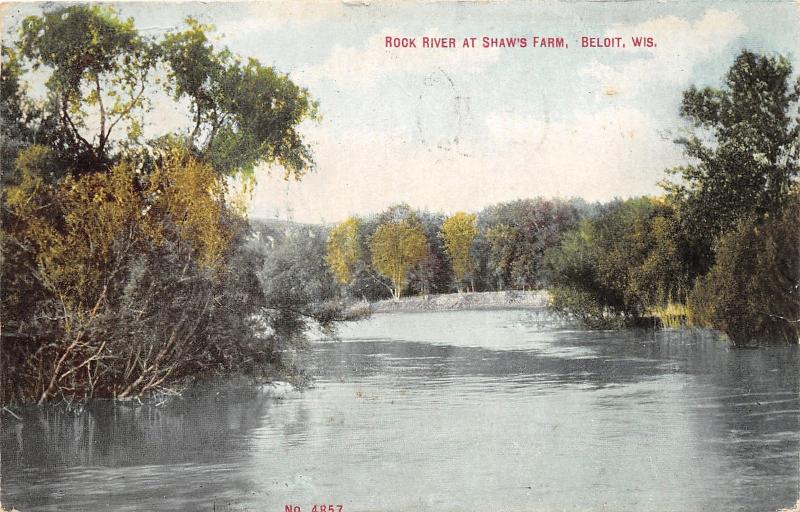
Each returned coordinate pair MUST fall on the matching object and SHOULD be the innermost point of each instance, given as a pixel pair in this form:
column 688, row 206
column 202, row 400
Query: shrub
column 751, row 293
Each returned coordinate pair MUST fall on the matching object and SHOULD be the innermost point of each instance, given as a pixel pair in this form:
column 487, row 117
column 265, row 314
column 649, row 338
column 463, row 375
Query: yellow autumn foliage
column 343, row 251
column 397, row 247
column 84, row 230
column 458, row 233
column 192, row 197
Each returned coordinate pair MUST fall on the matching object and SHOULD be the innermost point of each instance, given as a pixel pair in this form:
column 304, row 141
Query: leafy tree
column 745, row 149
column 343, row 249
column 501, row 254
column 513, row 239
column 366, row 283
column 397, row 247
column 618, row 265
column 126, row 264
column 422, row 278
column 104, row 75
column 14, row 133
column 298, row 289
column 458, row 233
column 97, row 62
column 113, row 249
column 433, row 274
column 243, row 112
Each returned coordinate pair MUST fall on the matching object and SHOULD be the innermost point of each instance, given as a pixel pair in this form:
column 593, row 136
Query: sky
column 449, row 129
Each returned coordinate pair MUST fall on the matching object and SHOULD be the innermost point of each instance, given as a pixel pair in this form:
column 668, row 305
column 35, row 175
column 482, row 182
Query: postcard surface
column 404, row 256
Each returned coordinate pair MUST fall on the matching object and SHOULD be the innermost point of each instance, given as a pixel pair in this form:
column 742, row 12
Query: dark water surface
column 500, row 410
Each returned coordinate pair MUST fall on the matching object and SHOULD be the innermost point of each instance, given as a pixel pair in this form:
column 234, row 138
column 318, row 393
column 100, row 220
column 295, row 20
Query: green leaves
column 98, row 67
column 244, row 113
column 80, row 41
column 101, row 76
column 745, row 151
column 621, row 263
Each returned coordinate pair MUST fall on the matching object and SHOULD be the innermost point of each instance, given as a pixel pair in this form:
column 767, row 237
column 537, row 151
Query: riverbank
column 513, row 299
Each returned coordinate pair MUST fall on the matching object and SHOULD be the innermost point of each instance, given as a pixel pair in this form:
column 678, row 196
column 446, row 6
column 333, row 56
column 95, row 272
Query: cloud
column 681, row 44
column 594, row 155
column 260, row 16
column 373, row 61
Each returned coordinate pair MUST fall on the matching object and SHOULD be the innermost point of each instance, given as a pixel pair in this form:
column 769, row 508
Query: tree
column 97, row 62
column 745, row 149
column 396, row 248
column 105, row 250
column 514, row 237
column 422, row 277
column 104, row 74
column 458, row 233
column 433, row 274
column 243, row 112
column 298, row 288
column 14, row 132
column 343, row 249
column 124, row 264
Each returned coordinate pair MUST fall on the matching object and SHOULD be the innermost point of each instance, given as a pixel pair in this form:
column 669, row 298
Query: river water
column 472, row 410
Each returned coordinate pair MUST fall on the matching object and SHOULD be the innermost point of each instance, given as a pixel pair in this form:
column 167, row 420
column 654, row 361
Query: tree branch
column 102, row 141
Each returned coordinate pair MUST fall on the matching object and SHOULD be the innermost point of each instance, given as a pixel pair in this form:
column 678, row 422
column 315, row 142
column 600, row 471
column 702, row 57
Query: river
column 469, row 410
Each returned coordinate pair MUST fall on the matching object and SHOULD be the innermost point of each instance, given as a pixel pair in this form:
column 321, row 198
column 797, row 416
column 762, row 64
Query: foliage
column 458, row 233
column 97, row 61
column 103, row 75
column 397, row 247
column 672, row 315
column 343, row 250
column 583, row 306
column 14, row 132
column 125, row 272
column 619, row 264
column 751, row 293
column 244, row 112
column 157, row 254
column 745, row 148
column 726, row 236
column 299, row 289
column 513, row 238
column 432, row 274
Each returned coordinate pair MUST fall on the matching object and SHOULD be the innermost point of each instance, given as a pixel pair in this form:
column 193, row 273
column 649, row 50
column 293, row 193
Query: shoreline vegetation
column 671, row 316
column 130, row 268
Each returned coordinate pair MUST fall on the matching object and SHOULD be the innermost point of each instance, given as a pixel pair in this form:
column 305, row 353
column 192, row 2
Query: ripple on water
column 446, row 411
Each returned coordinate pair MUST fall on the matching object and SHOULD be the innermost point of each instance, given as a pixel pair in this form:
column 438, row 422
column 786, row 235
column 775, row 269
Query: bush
column 583, row 307
column 622, row 263
column 751, row 293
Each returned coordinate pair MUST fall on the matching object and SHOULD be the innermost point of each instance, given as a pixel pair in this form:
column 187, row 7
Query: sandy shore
column 459, row 301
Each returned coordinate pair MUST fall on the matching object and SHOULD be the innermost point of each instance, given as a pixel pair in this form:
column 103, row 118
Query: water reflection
column 461, row 410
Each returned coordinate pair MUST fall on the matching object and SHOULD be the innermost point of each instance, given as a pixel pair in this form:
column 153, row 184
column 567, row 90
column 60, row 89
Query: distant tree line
column 720, row 248
column 406, row 251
